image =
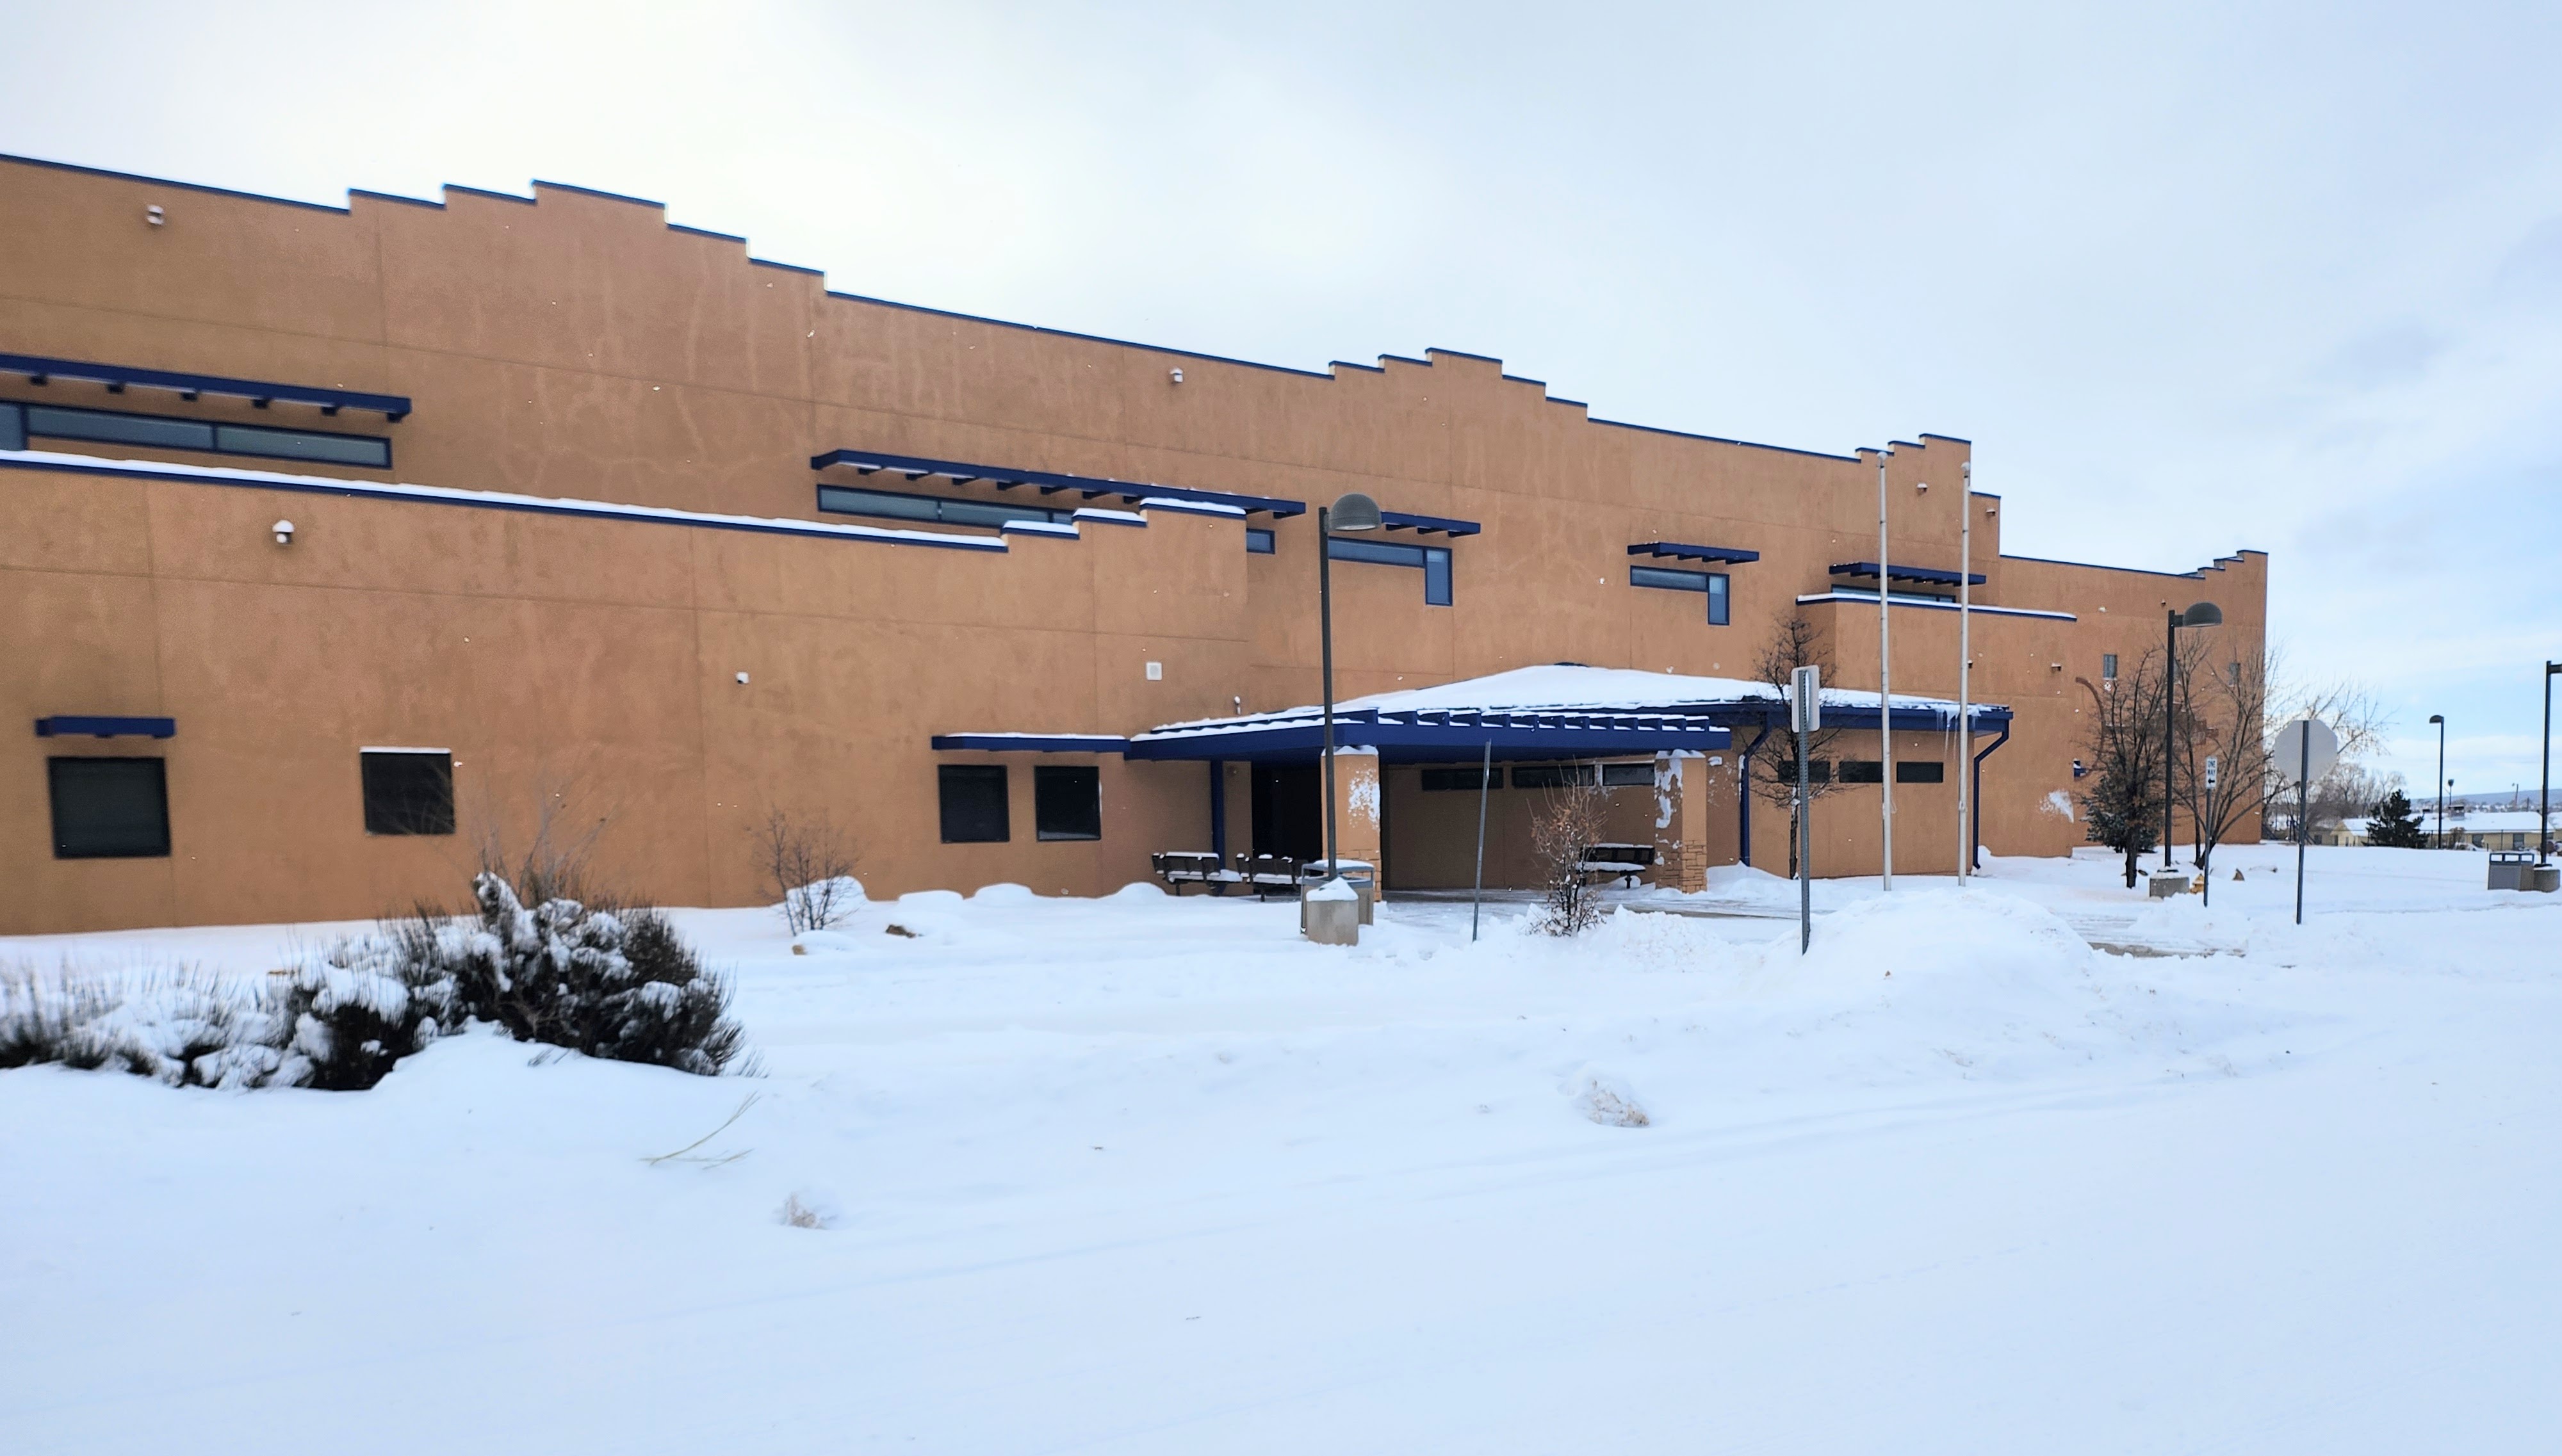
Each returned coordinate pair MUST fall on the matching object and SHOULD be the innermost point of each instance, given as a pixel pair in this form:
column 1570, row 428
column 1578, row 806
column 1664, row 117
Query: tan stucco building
column 595, row 514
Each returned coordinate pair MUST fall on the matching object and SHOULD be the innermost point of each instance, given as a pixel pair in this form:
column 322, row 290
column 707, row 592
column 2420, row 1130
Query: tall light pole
column 2544, row 793
column 2199, row 614
column 2441, row 721
column 1885, row 690
column 1965, row 722
column 1352, row 511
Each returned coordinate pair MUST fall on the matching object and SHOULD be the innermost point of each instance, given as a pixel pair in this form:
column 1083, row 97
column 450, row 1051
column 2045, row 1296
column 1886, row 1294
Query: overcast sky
column 2192, row 278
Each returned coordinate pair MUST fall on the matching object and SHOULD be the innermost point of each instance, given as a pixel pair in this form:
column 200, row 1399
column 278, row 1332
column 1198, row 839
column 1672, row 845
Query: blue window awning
column 261, row 393
column 1029, row 743
column 1868, row 569
column 77, row 725
column 1051, row 483
column 1683, row 551
column 1426, row 525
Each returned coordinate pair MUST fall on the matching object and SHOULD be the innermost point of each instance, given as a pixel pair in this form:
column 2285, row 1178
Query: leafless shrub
column 808, row 869
column 1569, row 821
column 798, row 1214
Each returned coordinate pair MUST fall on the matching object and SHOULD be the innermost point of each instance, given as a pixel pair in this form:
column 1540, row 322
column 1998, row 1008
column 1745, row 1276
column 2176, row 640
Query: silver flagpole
column 1965, row 660
column 1885, row 690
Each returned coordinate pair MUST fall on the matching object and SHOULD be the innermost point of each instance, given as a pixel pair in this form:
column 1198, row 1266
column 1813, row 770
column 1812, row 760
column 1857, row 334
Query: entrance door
column 1289, row 816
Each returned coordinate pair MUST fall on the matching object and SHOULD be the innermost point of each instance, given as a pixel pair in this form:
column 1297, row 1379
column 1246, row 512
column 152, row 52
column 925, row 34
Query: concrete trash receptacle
column 2163, row 886
column 1354, row 872
column 2546, row 878
column 1330, row 913
column 2511, row 870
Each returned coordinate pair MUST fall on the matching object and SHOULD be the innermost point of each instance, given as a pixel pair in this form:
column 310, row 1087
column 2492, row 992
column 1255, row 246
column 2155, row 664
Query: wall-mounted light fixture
column 1176, row 375
column 283, row 532
column 154, row 215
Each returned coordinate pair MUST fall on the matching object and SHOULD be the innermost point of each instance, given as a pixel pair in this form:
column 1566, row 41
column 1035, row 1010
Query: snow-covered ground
column 1139, row 1175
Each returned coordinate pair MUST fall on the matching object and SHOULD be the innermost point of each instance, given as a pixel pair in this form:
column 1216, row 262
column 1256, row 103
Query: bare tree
column 808, row 869
column 1794, row 643
column 2122, row 807
column 1569, row 821
column 2232, row 706
column 553, row 861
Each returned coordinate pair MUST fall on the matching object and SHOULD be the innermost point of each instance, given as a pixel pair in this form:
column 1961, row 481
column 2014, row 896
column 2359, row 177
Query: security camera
column 742, row 679
column 283, row 532
column 1176, row 375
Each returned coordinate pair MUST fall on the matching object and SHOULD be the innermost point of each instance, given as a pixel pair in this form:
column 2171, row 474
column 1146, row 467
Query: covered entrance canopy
column 1561, row 711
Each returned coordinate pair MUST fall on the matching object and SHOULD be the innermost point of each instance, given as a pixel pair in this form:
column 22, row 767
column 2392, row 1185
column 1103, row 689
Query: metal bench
column 1270, row 874
column 1181, row 867
column 1622, row 862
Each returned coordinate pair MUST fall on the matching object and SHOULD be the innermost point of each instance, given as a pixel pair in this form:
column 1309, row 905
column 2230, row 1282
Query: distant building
column 337, row 539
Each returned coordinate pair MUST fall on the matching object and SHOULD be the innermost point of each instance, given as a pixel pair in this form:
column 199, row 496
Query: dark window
column 1434, row 561
column 1711, row 583
column 1819, row 770
column 2108, row 666
column 1552, row 776
column 893, row 506
column 1921, row 771
column 1258, row 541
column 13, row 428
column 108, row 427
column 973, row 803
column 110, row 807
column 1446, row 781
column 1862, row 771
column 408, row 790
column 1628, row 776
column 1067, row 802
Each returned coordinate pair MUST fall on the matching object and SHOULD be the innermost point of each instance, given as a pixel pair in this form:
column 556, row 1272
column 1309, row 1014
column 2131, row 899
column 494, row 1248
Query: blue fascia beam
column 1051, row 481
column 75, row 725
column 1425, row 525
column 116, row 377
column 1683, row 551
column 1433, row 743
column 1905, row 572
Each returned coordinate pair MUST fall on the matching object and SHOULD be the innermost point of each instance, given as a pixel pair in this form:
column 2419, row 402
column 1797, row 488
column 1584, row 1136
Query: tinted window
column 408, row 792
column 1447, row 780
column 303, row 445
column 111, row 429
column 1716, row 598
column 1621, row 776
column 110, row 807
column 1921, row 771
column 1436, row 576
column 1552, row 776
column 1067, row 802
column 1435, row 560
column 1666, row 579
column 973, row 803
column 893, row 506
column 13, row 428
column 1819, row 770
column 2108, row 666
column 1258, row 541
column 1862, row 771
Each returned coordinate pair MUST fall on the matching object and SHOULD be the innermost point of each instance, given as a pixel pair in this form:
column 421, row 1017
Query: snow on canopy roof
column 1569, row 687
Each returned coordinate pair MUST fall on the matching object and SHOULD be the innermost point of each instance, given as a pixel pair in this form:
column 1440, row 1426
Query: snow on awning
column 1049, row 482
column 1561, row 711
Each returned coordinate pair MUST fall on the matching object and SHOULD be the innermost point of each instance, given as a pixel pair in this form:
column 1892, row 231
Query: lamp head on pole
column 2201, row 613
column 2438, row 718
column 1354, row 511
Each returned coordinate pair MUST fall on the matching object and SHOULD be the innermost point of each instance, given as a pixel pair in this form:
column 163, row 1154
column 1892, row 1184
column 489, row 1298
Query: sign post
column 2312, row 748
column 1805, row 715
column 2205, row 881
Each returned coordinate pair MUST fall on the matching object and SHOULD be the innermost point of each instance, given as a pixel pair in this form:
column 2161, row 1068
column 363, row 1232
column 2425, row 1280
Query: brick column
column 1356, row 807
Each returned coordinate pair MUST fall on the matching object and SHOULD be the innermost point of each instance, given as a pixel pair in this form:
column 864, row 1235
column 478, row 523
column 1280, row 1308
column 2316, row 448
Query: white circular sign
column 2305, row 746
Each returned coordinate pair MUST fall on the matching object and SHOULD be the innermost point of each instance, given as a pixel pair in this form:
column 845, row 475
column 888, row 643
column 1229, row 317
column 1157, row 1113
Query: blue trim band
column 1048, row 482
column 75, row 725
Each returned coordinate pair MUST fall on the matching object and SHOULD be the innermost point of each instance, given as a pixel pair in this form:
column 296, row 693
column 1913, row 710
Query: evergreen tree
column 2395, row 825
